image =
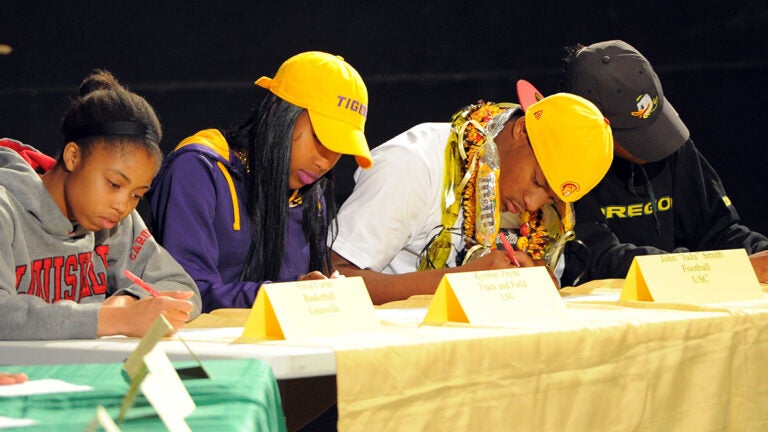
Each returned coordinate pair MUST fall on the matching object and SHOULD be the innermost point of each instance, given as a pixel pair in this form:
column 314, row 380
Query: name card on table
column 103, row 421
column 322, row 307
column 134, row 364
column 151, row 371
column 494, row 297
column 695, row 277
column 164, row 390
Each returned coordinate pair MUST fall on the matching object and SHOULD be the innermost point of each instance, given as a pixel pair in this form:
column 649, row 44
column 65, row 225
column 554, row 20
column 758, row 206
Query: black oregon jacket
column 677, row 204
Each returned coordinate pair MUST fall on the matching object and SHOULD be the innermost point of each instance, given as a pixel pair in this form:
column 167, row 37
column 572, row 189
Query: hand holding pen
column 528, row 262
column 138, row 281
column 173, row 305
column 125, row 315
column 509, row 249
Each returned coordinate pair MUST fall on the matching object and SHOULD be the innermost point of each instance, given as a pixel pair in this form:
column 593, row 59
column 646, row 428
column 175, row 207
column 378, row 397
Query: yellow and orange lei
column 535, row 236
column 468, row 137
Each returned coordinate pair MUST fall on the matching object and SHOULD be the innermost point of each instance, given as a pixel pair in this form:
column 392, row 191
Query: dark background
column 196, row 63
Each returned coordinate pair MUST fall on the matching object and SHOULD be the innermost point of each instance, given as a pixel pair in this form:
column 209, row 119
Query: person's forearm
column 385, row 288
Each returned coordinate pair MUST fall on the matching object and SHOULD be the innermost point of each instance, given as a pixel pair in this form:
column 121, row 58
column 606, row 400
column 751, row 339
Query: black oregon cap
column 622, row 83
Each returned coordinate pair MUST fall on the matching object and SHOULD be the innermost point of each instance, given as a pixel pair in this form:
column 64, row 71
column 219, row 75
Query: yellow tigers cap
column 571, row 139
column 333, row 93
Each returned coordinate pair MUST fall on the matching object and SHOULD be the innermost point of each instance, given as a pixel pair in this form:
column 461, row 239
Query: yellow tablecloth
column 607, row 366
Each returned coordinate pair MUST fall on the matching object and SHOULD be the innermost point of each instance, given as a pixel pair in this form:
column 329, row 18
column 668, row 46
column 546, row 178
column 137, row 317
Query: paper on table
column 215, row 334
column 401, row 317
column 43, row 386
column 7, row 422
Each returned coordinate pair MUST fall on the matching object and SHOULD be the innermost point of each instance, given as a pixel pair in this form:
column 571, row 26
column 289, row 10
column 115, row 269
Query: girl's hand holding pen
column 173, row 305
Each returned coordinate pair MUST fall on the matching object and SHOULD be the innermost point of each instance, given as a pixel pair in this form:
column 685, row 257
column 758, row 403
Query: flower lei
column 542, row 233
column 533, row 238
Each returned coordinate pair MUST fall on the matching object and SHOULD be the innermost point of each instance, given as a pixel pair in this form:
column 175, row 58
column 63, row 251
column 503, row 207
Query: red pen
column 137, row 280
column 510, row 251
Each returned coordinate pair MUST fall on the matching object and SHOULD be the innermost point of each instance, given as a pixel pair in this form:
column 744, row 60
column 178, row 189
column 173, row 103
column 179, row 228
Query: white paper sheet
column 43, row 386
column 7, row 422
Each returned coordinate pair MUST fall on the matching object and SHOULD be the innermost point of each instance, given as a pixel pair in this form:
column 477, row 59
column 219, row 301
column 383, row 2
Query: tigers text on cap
column 622, row 83
column 333, row 93
column 571, row 140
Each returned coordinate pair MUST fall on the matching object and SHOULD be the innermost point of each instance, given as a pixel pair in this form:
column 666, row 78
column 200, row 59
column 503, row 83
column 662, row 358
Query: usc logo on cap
column 568, row 188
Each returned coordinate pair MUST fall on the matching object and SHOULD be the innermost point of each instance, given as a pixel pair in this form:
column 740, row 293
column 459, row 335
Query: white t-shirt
column 395, row 207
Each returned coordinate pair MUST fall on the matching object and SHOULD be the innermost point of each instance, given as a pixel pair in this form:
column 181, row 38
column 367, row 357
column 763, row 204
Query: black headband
column 110, row 128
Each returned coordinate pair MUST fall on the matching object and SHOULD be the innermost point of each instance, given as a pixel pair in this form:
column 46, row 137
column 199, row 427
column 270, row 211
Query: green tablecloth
column 240, row 395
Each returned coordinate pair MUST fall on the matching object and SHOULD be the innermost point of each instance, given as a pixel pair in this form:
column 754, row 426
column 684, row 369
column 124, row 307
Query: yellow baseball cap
column 571, row 139
column 333, row 93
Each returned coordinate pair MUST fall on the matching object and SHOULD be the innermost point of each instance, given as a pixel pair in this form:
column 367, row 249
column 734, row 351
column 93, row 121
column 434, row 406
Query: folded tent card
column 150, row 370
column 159, row 329
column 324, row 307
column 692, row 277
column 495, row 297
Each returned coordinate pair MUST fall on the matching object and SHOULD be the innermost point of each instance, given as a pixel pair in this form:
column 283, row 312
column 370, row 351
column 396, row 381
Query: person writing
column 70, row 229
column 432, row 203
column 660, row 195
column 252, row 204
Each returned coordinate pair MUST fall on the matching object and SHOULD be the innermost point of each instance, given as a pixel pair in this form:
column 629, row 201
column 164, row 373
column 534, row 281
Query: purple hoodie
column 205, row 226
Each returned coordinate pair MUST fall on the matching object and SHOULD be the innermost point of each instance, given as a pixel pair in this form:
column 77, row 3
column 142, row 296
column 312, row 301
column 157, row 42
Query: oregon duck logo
column 645, row 106
column 568, row 188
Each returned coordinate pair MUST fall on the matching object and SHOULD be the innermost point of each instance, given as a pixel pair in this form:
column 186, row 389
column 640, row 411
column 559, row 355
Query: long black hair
column 267, row 136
